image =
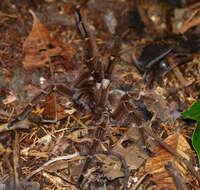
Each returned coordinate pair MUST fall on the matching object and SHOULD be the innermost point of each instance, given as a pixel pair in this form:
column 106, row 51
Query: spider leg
column 90, row 49
column 148, row 78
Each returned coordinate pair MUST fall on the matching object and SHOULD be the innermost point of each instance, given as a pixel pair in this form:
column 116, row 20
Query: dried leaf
column 10, row 99
column 38, row 110
column 39, row 46
column 134, row 154
column 59, row 165
column 61, row 145
column 155, row 102
column 156, row 165
column 112, row 169
column 53, row 105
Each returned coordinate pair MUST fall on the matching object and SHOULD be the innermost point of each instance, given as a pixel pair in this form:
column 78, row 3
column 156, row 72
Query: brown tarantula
column 90, row 90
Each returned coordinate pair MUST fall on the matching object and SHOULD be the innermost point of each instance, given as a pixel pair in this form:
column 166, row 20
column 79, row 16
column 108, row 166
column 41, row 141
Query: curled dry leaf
column 133, row 154
column 156, row 165
column 59, row 165
column 112, row 168
column 53, row 108
column 39, row 46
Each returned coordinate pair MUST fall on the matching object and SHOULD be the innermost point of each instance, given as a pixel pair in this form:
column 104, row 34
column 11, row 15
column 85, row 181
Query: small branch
column 194, row 6
column 54, row 160
column 24, row 124
column 178, row 73
column 16, row 166
column 139, row 182
column 178, row 180
column 7, row 163
column 189, row 25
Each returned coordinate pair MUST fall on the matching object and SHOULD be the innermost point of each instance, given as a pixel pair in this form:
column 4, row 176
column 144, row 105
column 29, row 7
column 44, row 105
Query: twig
column 194, row 6
column 57, row 180
column 55, row 160
column 189, row 25
column 177, row 72
column 24, row 124
column 79, row 121
column 139, row 182
column 178, row 180
column 16, row 167
column 7, row 163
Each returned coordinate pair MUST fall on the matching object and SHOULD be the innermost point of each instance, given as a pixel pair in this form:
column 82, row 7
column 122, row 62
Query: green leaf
column 196, row 139
column 193, row 112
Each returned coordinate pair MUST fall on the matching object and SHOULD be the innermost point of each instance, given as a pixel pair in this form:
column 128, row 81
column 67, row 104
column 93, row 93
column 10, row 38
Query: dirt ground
column 91, row 94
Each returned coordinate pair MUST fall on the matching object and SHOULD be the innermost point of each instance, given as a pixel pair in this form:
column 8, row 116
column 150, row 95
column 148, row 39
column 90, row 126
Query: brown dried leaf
column 79, row 136
column 39, row 46
column 59, row 165
column 133, row 154
column 61, row 145
column 75, row 168
column 156, row 165
column 156, row 103
column 112, row 168
column 51, row 107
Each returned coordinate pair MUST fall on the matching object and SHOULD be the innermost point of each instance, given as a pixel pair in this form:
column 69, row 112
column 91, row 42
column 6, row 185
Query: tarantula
column 90, row 90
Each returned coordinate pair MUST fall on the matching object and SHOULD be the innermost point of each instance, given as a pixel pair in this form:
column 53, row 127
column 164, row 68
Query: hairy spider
column 89, row 91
